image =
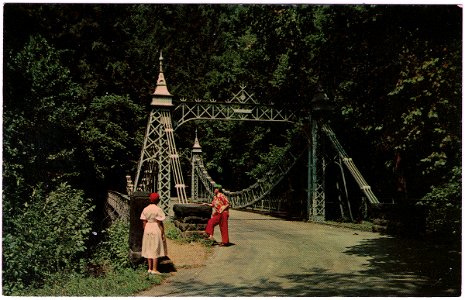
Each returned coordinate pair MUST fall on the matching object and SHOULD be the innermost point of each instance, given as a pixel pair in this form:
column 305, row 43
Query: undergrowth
column 124, row 282
column 108, row 272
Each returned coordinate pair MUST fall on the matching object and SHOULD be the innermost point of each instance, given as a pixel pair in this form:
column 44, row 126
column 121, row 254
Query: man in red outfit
column 220, row 216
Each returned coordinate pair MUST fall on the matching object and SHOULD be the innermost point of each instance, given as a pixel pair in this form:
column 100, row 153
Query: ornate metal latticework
column 317, row 168
column 157, row 155
column 241, row 107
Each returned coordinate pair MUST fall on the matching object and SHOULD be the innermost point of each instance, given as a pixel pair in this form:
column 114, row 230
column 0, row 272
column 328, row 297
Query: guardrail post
column 139, row 200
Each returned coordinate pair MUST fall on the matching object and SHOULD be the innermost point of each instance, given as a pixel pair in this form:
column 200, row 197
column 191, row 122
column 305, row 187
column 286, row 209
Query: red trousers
column 222, row 220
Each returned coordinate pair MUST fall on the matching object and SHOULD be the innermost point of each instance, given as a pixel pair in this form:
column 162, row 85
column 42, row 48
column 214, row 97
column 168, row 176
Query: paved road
column 274, row 257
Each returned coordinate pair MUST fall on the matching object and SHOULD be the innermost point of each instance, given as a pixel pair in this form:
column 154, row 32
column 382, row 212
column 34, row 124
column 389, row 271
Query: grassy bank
column 121, row 283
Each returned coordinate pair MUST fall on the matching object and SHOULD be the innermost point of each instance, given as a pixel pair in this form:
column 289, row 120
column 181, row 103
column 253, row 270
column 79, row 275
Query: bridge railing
column 117, row 206
column 255, row 194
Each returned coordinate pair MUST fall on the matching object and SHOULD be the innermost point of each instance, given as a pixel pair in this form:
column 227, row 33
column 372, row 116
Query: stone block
column 139, row 200
column 191, row 210
column 195, row 220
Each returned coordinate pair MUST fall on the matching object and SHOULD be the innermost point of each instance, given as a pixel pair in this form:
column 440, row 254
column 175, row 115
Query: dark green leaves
column 49, row 235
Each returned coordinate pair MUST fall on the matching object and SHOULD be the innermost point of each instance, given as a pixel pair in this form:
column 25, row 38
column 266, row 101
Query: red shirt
column 219, row 200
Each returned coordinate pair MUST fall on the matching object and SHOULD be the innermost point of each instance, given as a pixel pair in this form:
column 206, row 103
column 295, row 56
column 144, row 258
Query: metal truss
column 241, row 107
column 194, row 179
column 150, row 157
column 158, row 156
column 317, row 168
column 258, row 195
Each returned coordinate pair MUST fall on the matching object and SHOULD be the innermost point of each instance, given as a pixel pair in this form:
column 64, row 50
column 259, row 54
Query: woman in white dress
column 153, row 240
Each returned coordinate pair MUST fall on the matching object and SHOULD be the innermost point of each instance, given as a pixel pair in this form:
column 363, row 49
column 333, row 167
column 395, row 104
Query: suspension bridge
column 159, row 164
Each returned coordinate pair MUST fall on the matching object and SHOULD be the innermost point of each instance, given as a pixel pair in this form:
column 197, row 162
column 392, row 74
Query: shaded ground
column 274, row 257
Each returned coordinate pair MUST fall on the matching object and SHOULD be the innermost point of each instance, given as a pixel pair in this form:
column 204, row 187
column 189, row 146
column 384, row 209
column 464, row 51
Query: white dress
column 152, row 242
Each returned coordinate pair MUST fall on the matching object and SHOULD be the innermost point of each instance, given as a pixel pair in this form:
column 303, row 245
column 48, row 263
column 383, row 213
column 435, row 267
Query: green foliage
column 116, row 275
column 429, row 91
column 397, row 81
column 105, row 135
column 48, row 237
column 37, row 116
column 171, row 231
column 113, row 252
column 444, row 208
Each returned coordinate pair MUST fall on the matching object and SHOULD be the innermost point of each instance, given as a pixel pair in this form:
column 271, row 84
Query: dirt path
column 187, row 255
column 273, row 257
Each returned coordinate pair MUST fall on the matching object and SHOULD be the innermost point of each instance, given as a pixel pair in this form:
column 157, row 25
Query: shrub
column 444, row 204
column 49, row 236
column 113, row 252
column 171, row 231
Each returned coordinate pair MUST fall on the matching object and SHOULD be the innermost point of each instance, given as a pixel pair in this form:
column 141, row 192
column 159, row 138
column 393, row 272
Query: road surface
column 274, row 257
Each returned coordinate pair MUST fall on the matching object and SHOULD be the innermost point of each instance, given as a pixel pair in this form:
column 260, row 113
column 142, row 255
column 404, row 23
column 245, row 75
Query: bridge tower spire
column 159, row 153
column 161, row 96
column 196, row 158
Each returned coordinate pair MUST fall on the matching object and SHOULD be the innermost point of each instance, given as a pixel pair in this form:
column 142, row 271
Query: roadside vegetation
column 108, row 272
